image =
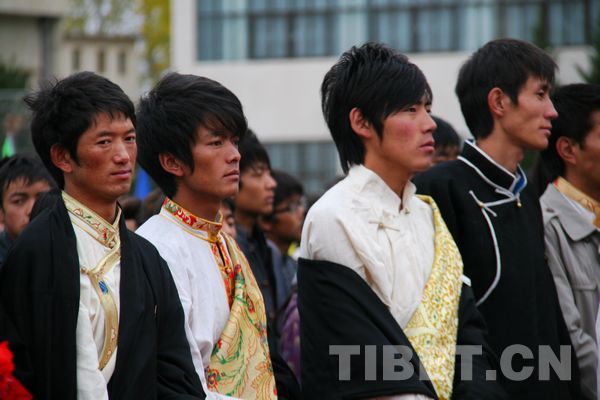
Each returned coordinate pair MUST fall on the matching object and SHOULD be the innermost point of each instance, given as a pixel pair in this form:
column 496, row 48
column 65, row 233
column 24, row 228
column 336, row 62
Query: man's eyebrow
column 18, row 194
column 108, row 133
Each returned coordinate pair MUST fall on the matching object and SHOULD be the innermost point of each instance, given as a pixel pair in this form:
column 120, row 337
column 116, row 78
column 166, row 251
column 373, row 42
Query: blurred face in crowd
column 17, row 202
column 257, row 190
column 288, row 219
column 228, row 221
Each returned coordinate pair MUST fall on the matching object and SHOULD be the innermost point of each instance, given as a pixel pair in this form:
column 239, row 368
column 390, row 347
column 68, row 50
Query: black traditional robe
column 337, row 307
column 515, row 290
column 39, row 291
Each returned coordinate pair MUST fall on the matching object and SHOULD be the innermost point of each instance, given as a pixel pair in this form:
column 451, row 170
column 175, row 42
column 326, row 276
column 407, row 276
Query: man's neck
column 395, row 179
column 582, row 184
column 502, row 151
column 282, row 245
column 207, row 209
column 104, row 208
column 245, row 220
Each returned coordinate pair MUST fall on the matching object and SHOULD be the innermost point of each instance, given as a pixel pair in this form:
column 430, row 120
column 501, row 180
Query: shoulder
column 551, row 203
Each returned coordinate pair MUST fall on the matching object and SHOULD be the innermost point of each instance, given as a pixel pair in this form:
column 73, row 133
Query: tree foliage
column 156, row 31
column 12, row 76
column 101, row 17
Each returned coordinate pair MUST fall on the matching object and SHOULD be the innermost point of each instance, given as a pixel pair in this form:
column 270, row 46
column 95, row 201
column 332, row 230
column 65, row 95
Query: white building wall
column 130, row 81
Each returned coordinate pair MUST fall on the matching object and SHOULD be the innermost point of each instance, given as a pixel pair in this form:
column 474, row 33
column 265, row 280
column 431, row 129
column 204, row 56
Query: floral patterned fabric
column 433, row 327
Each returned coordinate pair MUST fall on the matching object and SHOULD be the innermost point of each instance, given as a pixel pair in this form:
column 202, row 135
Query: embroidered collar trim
column 105, row 233
column 208, row 230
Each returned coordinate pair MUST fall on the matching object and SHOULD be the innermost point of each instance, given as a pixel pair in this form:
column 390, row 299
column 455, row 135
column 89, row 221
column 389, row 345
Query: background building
column 273, row 55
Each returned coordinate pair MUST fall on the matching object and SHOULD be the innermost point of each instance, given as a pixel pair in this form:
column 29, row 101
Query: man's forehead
column 22, row 184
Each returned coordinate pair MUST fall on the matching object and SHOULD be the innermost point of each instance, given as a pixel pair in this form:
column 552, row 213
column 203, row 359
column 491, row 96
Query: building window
column 239, row 29
column 101, row 61
column 76, row 59
column 315, row 164
column 122, row 62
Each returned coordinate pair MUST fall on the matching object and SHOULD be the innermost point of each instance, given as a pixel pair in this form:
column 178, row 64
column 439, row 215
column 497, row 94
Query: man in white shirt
column 571, row 210
column 188, row 129
column 379, row 267
column 92, row 308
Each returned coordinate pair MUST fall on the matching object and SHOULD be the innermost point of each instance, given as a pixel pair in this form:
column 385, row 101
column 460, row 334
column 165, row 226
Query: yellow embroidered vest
column 240, row 364
column 433, row 327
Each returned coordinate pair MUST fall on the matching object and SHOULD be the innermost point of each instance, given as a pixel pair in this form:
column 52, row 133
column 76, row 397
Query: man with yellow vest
column 188, row 131
column 384, row 308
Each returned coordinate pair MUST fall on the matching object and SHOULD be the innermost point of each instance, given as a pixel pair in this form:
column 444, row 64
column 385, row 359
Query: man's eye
column 103, row 142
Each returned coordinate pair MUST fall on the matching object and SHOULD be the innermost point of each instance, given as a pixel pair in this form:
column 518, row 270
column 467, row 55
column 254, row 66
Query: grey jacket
column 573, row 251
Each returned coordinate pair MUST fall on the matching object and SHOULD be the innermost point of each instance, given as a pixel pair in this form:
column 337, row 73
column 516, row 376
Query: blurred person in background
column 22, row 180
column 571, row 210
column 447, row 142
column 228, row 213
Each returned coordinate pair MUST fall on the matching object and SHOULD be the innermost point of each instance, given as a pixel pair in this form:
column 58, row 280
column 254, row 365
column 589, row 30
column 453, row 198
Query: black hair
column 28, row 169
column 171, row 113
column 63, row 110
column 575, row 104
column 502, row 63
column 287, row 186
column 252, row 152
column 229, row 203
column 445, row 135
column 377, row 80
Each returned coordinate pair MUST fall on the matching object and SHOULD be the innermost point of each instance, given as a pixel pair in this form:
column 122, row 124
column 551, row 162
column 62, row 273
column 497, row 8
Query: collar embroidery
column 105, row 233
column 563, row 186
column 205, row 229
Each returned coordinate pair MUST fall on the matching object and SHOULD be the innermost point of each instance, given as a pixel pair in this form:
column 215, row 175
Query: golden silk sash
column 590, row 204
column 240, row 364
column 107, row 235
column 433, row 327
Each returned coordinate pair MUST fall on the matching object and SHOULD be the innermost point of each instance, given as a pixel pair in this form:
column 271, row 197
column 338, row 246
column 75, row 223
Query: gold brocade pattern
column 433, row 327
column 107, row 235
column 240, row 364
column 592, row 205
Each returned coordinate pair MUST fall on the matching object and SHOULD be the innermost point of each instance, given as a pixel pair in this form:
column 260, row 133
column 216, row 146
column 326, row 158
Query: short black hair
column 252, row 152
column 171, row 113
column 63, row 110
column 575, row 104
column 287, row 186
column 28, row 169
column 445, row 135
column 502, row 63
column 377, row 80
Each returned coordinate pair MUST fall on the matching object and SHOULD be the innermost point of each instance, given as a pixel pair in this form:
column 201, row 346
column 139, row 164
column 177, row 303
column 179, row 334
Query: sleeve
column 584, row 345
column 440, row 190
column 474, row 357
column 176, row 375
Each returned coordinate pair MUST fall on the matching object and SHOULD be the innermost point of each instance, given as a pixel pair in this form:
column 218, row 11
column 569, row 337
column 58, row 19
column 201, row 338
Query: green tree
column 156, row 32
column 12, row 76
column 593, row 74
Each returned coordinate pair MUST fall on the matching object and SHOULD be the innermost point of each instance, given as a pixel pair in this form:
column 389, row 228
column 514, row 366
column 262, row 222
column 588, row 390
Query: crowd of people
column 434, row 269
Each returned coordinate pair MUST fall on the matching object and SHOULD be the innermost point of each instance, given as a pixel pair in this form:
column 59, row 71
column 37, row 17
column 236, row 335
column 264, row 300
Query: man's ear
column 497, row 101
column 360, row 125
column 171, row 164
column 567, row 150
column 61, row 158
